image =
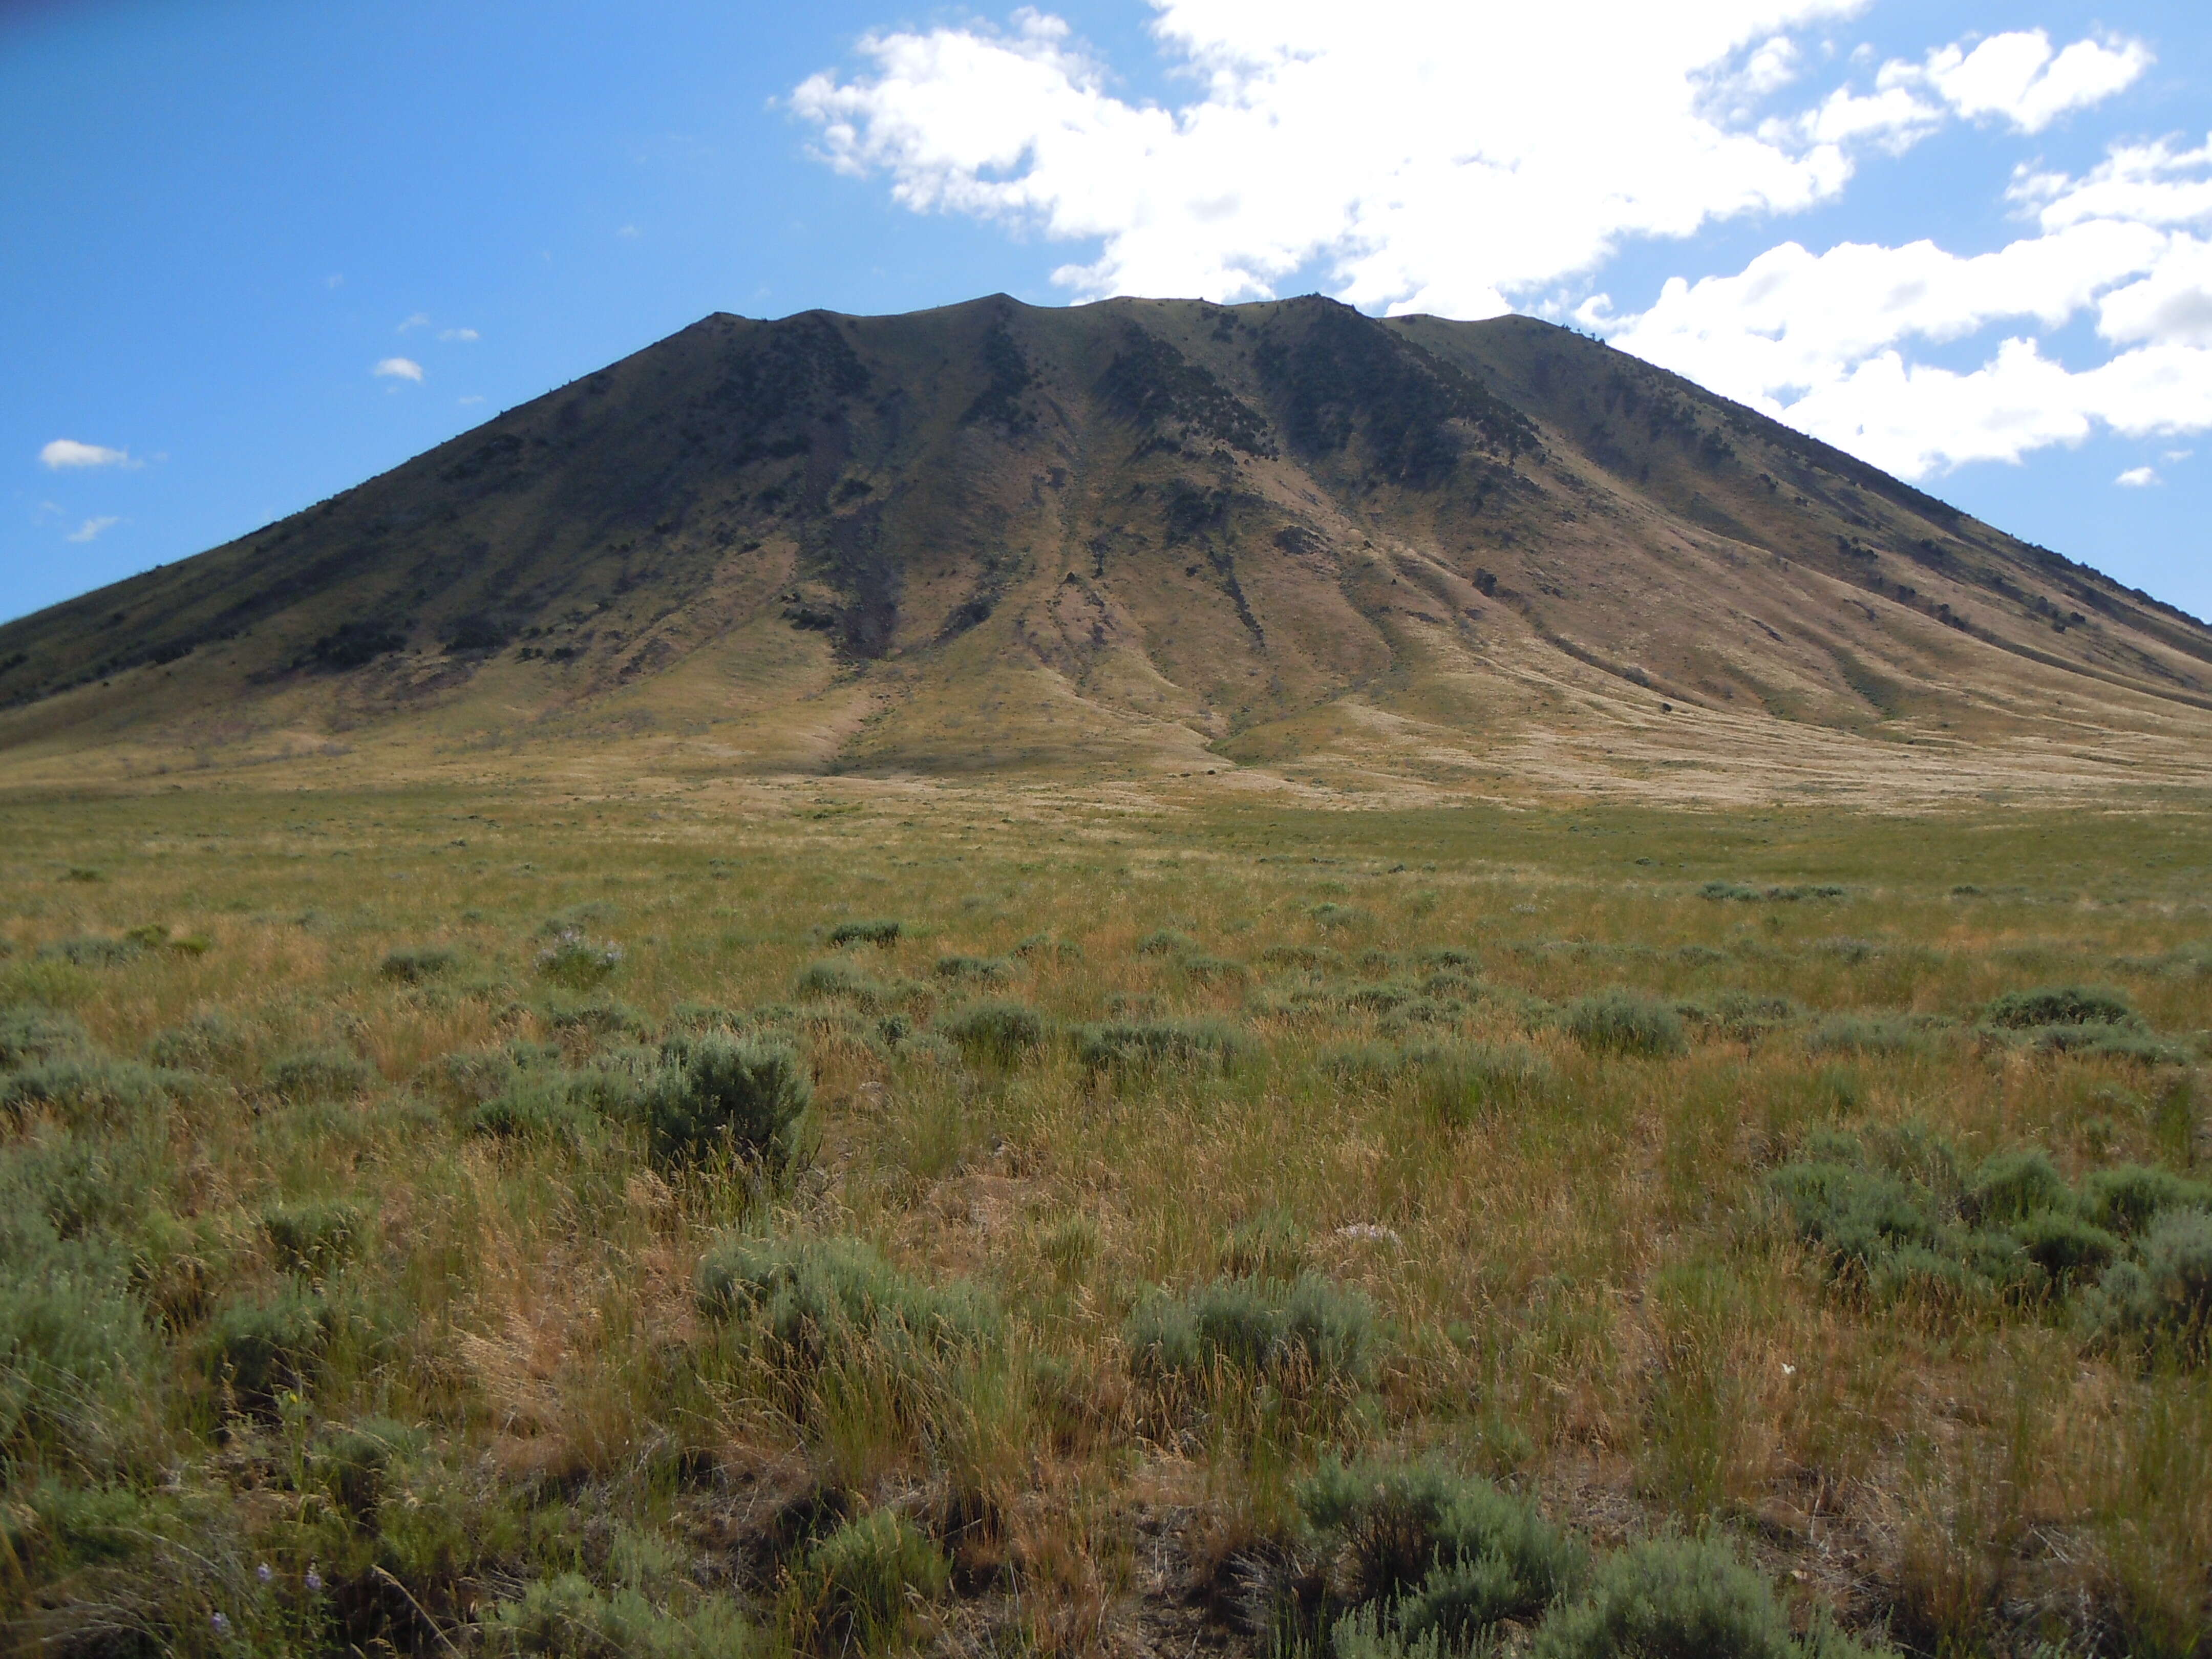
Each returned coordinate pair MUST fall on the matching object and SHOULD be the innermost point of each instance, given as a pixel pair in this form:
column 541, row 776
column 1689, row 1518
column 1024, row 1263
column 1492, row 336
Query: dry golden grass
column 1581, row 1289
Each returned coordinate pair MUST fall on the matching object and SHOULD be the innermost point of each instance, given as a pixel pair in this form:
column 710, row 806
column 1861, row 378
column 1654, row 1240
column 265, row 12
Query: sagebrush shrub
column 324, row 1074
column 881, row 930
column 92, row 950
column 2166, row 1297
column 257, row 1346
column 76, row 1352
column 209, row 1038
column 2062, row 1004
column 1309, row 1330
column 2011, row 1187
column 1621, row 1021
column 29, row 1032
column 86, row 1090
column 1436, row 1551
column 998, row 1033
column 1211, row 1043
column 416, row 965
column 719, row 1091
column 820, row 1300
column 2125, row 1198
column 1681, row 1598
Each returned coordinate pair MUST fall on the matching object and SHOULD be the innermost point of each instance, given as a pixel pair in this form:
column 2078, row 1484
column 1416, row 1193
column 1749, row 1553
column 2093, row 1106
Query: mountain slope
column 1142, row 533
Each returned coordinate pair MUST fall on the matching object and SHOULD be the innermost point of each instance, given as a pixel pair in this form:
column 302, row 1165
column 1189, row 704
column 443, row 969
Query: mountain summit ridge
column 1140, row 533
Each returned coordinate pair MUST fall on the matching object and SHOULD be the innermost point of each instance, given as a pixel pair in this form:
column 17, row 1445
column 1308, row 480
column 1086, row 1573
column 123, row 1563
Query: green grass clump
column 1307, row 1331
column 1681, row 1598
column 717, row 1092
column 2061, row 1005
column 1465, row 1082
column 1122, row 1045
column 996, row 1033
column 1870, row 1034
column 567, row 1617
column 1165, row 942
column 416, row 965
column 1624, row 1022
column 313, row 1240
column 323, row 1074
column 881, row 930
column 856, row 1591
column 577, row 961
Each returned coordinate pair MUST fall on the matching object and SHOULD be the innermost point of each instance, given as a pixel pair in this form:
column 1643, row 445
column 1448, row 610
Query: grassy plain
column 1180, row 1155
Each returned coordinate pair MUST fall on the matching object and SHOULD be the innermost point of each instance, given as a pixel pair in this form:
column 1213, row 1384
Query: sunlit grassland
column 1566, row 1260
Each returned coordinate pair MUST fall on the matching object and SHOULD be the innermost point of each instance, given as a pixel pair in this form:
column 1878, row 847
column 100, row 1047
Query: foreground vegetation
column 859, row 1218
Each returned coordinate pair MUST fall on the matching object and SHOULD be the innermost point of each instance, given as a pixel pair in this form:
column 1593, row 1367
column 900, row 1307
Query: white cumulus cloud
column 69, row 452
column 398, row 368
column 2019, row 78
column 1517, row 146
column 1827, row 342
column 91, row 528
column 459, row 334
column 2137, row 478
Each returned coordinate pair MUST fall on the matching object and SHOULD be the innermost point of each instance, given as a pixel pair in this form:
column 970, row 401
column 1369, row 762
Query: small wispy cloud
column 91, row 528
column 420, row 320
column 398, row 368
column 336, row 279
column 459, row 334
column 69, row 452
column 628, row 231
column 473, row 398
column 2137, row 477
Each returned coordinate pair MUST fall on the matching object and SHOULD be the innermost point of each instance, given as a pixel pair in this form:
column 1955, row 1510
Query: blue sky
column 218, row 220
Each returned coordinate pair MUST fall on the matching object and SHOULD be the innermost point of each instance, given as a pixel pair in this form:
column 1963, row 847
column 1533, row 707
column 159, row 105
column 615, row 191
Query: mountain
column 1138, row 535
